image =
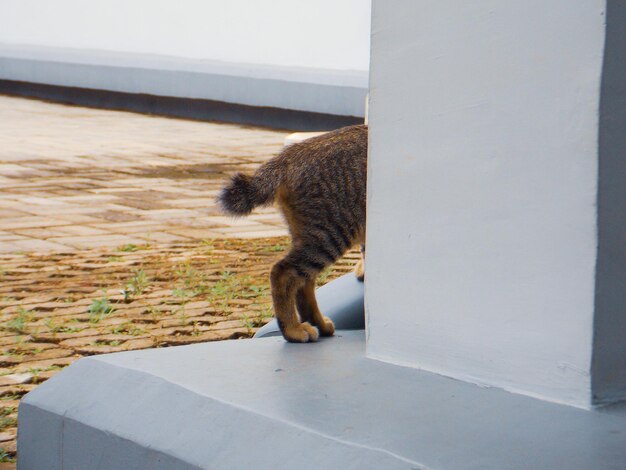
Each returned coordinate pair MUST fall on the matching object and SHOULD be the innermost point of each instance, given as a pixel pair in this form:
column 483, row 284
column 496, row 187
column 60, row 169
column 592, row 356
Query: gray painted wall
column 337, row 92
column 609, row 347
column 483, row 194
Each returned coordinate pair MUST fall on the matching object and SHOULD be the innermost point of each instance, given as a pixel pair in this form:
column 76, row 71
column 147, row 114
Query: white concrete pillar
column 497, row 194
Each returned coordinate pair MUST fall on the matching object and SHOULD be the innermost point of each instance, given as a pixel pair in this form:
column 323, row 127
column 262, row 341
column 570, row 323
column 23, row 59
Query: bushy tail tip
column 239, row 196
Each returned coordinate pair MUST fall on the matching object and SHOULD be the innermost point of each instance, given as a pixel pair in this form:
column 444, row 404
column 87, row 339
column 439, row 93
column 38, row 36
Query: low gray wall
column 318, row 92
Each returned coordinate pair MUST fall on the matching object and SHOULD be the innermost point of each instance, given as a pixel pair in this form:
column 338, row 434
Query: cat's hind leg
column 359, row 269
column 310, row 312
column 287, row 278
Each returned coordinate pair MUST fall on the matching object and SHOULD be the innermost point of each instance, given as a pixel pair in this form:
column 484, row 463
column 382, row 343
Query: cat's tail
column 245, row 192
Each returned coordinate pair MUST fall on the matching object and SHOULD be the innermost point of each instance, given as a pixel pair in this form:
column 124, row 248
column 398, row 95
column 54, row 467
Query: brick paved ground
column 110, row 239
column 74, row 178
column 58, row 307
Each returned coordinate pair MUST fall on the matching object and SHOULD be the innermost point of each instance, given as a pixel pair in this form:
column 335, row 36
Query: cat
column 319, row 185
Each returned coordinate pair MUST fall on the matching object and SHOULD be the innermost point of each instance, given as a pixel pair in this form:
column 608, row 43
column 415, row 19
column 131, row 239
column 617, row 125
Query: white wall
column 482, row 190
column 323, row 34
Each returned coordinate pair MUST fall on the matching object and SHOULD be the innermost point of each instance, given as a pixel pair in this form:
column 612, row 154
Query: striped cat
column 319, row 185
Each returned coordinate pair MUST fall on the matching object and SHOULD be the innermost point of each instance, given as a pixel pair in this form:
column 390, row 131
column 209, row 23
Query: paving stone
column 7, row 247
column 39, row 233
column 57, row 362
column 79, row 219
column 91, row 168
column 7, row 436
column 30, row 222
column 81, row 230
column 36, row 245
column 8, row 169
column 8, row 213
column 97, row 241
column 7, row 236
column 252, row 233
column 193, row 233
column 14, row 379
column 10, row 448
column 162, row 237
column 11, row 391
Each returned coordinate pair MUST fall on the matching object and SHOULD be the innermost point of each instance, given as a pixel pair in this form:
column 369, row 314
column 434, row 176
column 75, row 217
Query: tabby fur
column 319, row 185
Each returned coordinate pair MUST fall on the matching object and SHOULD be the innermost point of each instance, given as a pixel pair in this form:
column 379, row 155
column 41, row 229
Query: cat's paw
column 359, row 270
column 327, row 328
column 302, row 333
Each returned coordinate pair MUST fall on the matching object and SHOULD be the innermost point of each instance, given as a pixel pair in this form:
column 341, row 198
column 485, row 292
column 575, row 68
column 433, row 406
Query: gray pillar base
column 269, row 404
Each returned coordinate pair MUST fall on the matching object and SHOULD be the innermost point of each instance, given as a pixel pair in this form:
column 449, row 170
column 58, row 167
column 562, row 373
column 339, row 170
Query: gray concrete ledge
column 203, row 110
column 268, row 404
column 340, row 93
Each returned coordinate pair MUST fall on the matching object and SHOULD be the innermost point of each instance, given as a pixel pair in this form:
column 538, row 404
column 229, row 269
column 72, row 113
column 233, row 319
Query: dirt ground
column 56, row 308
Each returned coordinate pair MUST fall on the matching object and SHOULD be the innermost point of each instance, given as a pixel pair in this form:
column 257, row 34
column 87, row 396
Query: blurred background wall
column 310, row 56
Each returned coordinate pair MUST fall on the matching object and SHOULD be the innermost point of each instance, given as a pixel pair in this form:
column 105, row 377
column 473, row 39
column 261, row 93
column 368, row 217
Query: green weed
column 10, row 396
column 323, row 277
column 248, row 324
column 61, row 328
column 18, row 323
column 7, row 421
column 154, row 313
column 275, row 248
column 127, row 328
column 131, row 247
column 182, row 294
column 208, row 244
column 257, row 321
column 14, row 353
column 192, row 279
column 136, row 285
column 106, row 342
column 99, row 309
column 8, row 410
column 5, row 457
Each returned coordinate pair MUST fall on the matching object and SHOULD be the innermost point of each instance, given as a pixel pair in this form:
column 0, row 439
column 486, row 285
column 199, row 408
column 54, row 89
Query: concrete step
column 264, row 403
